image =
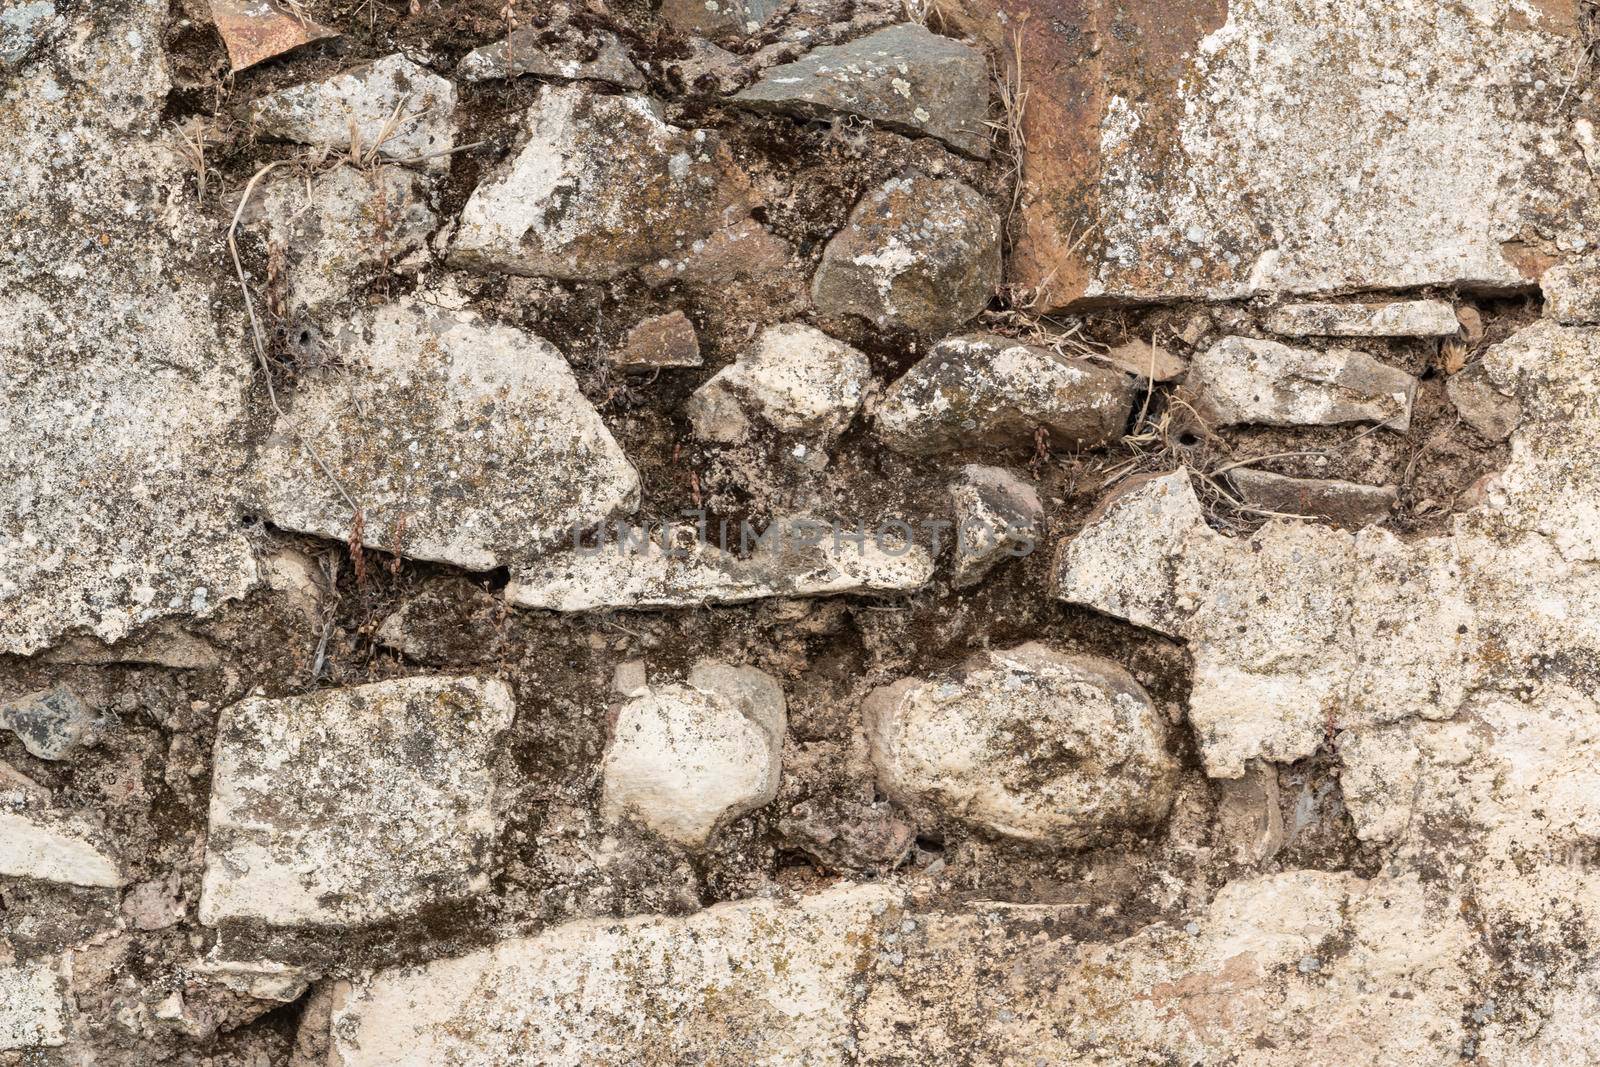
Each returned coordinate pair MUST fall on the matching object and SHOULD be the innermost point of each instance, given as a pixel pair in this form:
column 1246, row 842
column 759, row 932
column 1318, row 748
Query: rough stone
column 988, row 391
column 349, row 227
column 598, row 186
column 348, row 806
column 394, row 109
column 460, row 440
column 1143, row 360
column 53, row 723
column 717, row 18
column 1408, row 318
column 162, row 643
column 254, row 30
column 1027, row 743
column 686, row 759
column 1345, row 503
column 917, row 253
column 1480, row 405
column 561, row 51
column 1572, row 292
column 741, row 261
column 803, row 560
column 142, row 385
column 447, row 622
column 903, row 77
column 33, row 1013
column 659, row 341
column 23, row 28
column 1243, row 380
column 1184, row 152
column 52, row 847
column 794, row 379
column 997, row 515
column 848, row 834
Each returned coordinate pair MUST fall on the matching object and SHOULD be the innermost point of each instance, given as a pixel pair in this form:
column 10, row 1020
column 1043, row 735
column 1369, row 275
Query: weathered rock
column 687, row 759
column 33, row 1013
column 917, row 253
column 1148, row 361
column 1186, row 152
column 347, row 806
column 54, row 723
column 349, row 227
column 460, row 441
column 1243, row 380
column 903, row 77
column 561, row 50
column 803, row 560
column 1480, row 405
column 451, row 620
column 1249, row 814
column 141, row 385
column 54, row 848
column 744, row 261
column 987, row 391
column 24, row 27
column 659, row 341
column 1345, row 503
column 794, row 379
column 254, row 30
column 717, row 18
column 598, row 186
column 846, row 834
column 1408, row 318
column 1028, row 743
column 997, row 515
column 162, row 643
column 1572, row 292
column 391, row 109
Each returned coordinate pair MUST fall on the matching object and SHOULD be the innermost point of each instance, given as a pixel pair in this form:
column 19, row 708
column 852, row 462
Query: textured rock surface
column 459, row 440
column 1410, row 318
column 917, row 253
column 391, row 109
column 986, row 390
column 795, row 379
column 256, row 30
column 599, row 185
column 687, row 758
column 1186, row 152
column 50, row 848
column 1345, row 503
column 997, row 515
column 353, row 805
column 660, row 341
column 1485, row 408
column 1572, row 292
column 903, row 77
column 563, row 51
column 54, row 723
column 1241, row 380
column 32, row 1014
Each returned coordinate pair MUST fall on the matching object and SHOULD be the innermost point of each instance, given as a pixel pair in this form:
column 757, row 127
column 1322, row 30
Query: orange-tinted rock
column 254, row 30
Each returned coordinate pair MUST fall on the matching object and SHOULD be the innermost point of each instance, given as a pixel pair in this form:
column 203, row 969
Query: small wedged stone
column 688, row 758
column 1245, row 380
column 793, row 378
column 461, row 441
column 917, row 253
column 903, row 78
column 659, row 341
column 796, row 558
column 1409, row 318
column 345, row 230
column 392, row 109
column 988, row 391
column 1345, row 503
column 33, row 1012
column 1028, row 743
column 53, row 724
column 558, row 51
column 348, row 806
column 717, row 18
column 997, row 515
column 1480, row 405
column 848, row 834
column 597, row 186
column 254, row 30
column 1144, row 360
column 53, row 847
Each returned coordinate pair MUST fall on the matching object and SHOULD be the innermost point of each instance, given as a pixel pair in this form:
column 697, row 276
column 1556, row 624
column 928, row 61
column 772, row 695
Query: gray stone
column 349, row 227
column 658, row 342
column 687, row 759
column 1408, row 318
column 23, row 27
column 917, row 253
column 390, row 109
column 348, row 806
column 33, row 1013
column 53, row 724
column 1027, row 743
column 987, row 391
column 794, row 379
column 903, row 77
column 561, row 50
column 597, row 186
column 997, row 515
column 1346, row 503
column 1489, row 411
column 717, row 18
column 1244, row 380
column 1572, row 292
column 461, row 441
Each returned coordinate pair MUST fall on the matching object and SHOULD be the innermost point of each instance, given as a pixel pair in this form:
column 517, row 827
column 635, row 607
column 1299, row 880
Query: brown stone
column 1343, row 503
column 254, row 31
column 660, row 341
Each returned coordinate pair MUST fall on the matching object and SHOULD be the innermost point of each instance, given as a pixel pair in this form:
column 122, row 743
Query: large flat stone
column 460, row 440
column 1215, row 149
column 348, row 806
column 123, row 368
column 52, row 847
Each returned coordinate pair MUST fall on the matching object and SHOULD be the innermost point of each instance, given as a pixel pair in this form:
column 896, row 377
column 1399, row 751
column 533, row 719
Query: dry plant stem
column 255, row 329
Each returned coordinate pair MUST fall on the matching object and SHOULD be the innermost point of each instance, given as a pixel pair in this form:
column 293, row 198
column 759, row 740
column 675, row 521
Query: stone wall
column 818, row 532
